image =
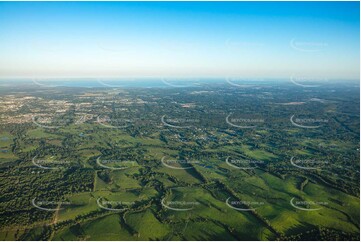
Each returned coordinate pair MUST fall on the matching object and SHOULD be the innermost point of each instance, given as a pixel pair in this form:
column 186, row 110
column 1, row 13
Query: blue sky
column 180, row 39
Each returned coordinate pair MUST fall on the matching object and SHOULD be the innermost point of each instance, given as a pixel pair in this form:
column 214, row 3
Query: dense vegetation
column 178, row 164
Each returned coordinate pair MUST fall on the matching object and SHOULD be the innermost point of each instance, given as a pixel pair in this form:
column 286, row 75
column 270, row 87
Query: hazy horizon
column 179, row 39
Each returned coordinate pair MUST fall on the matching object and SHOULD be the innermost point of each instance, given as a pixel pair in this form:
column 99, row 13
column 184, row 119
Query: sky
column 180, row 39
